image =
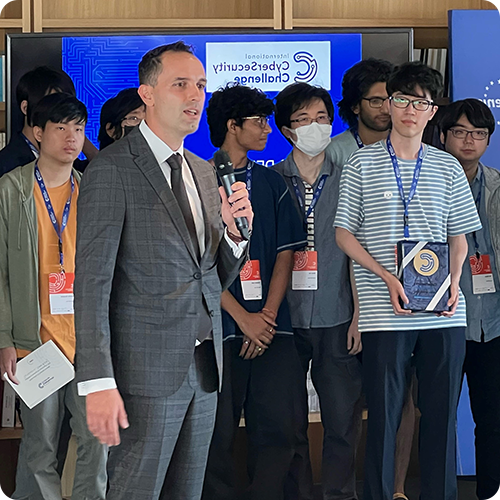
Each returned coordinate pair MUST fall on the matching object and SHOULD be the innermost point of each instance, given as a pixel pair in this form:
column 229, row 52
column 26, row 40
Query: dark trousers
column 263, row 388
column 336, row 376
column 439, row 356
column 482, row 367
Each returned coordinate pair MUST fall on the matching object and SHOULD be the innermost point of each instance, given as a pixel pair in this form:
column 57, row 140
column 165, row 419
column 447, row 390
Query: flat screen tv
column 103, row 64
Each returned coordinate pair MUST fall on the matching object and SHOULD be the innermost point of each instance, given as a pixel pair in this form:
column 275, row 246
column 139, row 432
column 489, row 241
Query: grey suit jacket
column 139, row 287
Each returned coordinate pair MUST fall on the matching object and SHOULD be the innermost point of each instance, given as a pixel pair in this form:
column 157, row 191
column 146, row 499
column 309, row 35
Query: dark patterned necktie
column 179, row 190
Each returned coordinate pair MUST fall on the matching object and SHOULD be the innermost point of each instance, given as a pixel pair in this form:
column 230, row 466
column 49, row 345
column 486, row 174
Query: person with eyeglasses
column 364, row 108
column 466, row 129
column 320, row 296
column 119, row 116
column 394, row 190
column 261, row 364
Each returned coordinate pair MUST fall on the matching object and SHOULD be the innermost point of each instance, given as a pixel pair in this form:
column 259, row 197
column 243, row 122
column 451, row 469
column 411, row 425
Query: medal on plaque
column 423, row 267
column 424, row 271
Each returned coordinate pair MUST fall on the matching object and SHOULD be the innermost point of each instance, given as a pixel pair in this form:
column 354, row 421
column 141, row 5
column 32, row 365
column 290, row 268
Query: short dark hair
column 234, row 101
column 59, row 108
column 113, row 112
column 357, row 82
column 296, row 96
column 407, row 77
column 150, row 66
column 39, row 82
column 476, row 112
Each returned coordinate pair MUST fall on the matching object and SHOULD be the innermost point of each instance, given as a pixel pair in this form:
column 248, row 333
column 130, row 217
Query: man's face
column 408, row 121
column 252, row 135
column 466, row 149
column 373, row 117
column 176, row 102
column 61, row 143
column 314, row 110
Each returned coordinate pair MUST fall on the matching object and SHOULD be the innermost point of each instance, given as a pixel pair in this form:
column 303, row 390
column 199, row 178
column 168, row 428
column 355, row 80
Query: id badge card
column 251, row 283
column 482, row 277
column 61, row 293
column 305, row 271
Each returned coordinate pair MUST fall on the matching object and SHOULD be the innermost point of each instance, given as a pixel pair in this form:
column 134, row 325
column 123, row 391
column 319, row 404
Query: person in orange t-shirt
column 37, row 259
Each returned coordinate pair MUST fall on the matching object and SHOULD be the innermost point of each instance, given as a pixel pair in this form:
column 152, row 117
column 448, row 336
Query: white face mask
column 312, row 139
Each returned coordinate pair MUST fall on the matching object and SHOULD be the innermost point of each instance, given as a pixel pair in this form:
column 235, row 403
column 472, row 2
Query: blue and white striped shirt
column 370, row 208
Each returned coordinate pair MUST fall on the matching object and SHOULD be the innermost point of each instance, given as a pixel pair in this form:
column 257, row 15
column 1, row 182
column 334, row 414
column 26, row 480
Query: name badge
column 305, row 271
column 251, row 283
column 61, row 293
column 482, row 277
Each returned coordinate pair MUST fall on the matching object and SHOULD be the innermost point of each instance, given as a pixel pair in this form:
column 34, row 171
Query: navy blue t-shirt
column 276, row 227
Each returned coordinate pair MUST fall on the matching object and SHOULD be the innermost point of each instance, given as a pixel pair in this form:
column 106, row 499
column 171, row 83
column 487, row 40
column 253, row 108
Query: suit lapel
column 146, row 161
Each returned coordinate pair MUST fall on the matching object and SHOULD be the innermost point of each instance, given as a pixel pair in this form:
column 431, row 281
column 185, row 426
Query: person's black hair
column 357, row 82
column 150, row 66
column 39, row 82
column 295, row 97
column 236, row 102
column 407, row 77
column 113, row 112
column 59, row 108
column 475, row 111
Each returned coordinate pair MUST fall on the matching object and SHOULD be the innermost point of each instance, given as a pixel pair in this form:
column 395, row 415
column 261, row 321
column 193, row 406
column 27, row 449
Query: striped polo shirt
column 370, row 208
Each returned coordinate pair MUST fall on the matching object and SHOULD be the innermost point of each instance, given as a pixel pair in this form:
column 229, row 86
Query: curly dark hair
column 356, row 84
column 234, row 101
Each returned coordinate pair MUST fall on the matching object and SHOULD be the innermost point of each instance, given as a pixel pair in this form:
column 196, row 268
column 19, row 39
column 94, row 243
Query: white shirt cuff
column 237, row 248
column 96, row 385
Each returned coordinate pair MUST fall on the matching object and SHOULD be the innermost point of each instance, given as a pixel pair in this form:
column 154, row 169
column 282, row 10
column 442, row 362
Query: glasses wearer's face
column 418, row 104
column 461, row 133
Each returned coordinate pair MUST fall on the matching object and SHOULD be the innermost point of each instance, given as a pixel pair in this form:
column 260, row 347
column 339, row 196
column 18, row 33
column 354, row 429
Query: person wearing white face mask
column 320, row 297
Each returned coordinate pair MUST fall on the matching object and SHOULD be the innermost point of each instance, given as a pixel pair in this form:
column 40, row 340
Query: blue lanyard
column 478, row 206
column 317, row 194
column 413, row 189
column 354, row 132
column 52, row 215
column 31, row 145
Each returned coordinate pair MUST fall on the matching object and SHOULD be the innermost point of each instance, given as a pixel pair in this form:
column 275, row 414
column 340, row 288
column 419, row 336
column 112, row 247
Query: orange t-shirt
column 59, row 328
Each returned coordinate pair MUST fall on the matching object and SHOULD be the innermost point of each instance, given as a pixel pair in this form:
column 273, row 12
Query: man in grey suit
column 152, row 259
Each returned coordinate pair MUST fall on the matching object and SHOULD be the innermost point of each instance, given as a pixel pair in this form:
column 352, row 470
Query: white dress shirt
column 162, row 152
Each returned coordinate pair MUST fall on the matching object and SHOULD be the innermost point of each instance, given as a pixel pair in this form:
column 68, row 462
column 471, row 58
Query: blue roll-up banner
column 475, row 65
column 474, row 72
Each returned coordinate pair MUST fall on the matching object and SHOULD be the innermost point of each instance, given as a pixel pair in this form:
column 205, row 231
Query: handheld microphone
column 225, row 171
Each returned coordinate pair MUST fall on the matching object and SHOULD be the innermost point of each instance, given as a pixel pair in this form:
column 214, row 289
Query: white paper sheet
column 41, row 373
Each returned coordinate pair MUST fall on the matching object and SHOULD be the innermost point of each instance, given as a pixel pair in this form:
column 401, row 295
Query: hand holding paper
column 41, row 373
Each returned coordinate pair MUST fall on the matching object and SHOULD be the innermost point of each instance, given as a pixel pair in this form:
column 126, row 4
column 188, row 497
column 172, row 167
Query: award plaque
column 424, row 271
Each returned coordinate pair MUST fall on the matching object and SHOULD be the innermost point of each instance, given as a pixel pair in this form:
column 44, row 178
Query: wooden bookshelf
column 10, row 433
column 155, row 14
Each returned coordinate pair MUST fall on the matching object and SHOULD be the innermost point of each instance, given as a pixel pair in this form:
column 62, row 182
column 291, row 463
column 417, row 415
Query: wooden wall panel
column 157, row 9
column 376, row 13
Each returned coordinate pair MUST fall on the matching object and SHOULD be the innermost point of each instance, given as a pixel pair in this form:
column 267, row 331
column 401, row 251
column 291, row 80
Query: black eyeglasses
column 306, row 120
column 261, row 121
column 418, row 104
column 461, row 133
column 375, row 102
